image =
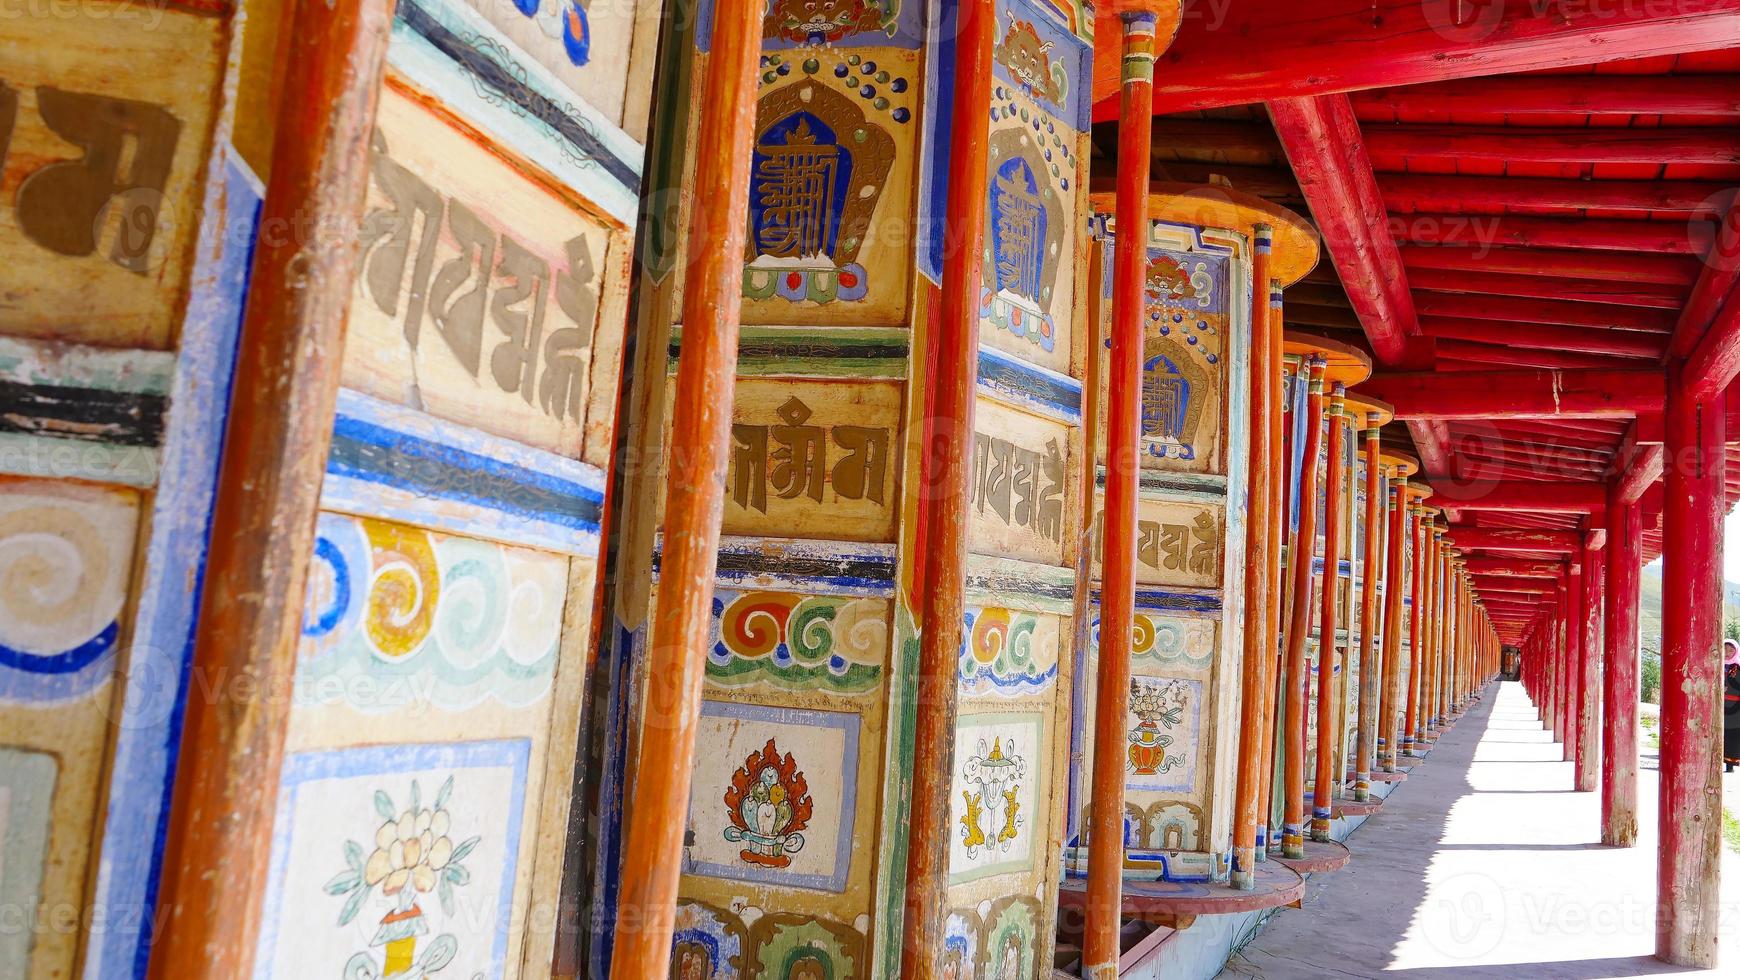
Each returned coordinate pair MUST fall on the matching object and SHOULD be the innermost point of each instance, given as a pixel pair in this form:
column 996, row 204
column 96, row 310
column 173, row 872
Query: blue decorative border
column 403, row 465
column 843, row 721
column 795, row 564
column 148, row 732
column 453, row 51
column 390, row 760
column 1014, row 380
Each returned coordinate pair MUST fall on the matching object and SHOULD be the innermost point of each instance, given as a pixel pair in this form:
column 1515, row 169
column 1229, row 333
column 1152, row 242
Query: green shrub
column 1649, row 682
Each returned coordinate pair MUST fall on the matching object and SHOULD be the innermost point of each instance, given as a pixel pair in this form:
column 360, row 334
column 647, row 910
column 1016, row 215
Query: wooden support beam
column 1653, row 295
column 1515, row 567
column 1688, row 898
column 1328, row 653
column 1509, row 309
column 695, row 497
column 1680, row 270
column 1295, row 673
column 1716, row 286
column 1555, row 497
column 1715, row 361
column 1620, row 679
column 1474, row 356
column 1440, row 192
column 1287, row 50
column 1588, row 707
column 1557, row 95
column 1257, row 693
column 1322, row 140
column 1654, row 146
column 1499, row 539
column 1101, row 946
column 1543, row 336
column 279, row 430
column 1518, row 394
column 944, row 512
column 1390, row 709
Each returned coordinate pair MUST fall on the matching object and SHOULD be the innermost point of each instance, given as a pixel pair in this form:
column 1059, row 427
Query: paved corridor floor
column 1486, row 864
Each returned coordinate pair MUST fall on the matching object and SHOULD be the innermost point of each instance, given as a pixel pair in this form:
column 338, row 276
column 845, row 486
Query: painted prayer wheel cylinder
column 1186, row 651
column 800, row 798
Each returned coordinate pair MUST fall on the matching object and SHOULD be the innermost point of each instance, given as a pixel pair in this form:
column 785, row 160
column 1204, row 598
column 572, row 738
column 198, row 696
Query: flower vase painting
column 413, row 858
column 395, row 861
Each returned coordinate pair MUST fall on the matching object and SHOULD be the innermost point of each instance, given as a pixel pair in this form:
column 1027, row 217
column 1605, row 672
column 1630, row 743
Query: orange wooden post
column 268, row 492
column 1323, row 787
column 1688, row 897
column 1277, row 538
column 1100, row 947
column 1258, row 648
column 1619, row 679
column 1411, row 733
column 945, row 512
column 694, row 498
column 1390, row 731
column 1370, row 672
column 1299, row 563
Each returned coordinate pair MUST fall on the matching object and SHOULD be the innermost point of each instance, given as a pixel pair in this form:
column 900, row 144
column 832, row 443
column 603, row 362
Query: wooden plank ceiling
column 1556, row 219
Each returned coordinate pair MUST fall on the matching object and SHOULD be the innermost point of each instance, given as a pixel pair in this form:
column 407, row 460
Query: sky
column 1730, row 550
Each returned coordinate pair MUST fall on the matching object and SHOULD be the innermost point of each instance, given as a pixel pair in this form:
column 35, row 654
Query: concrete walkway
column 1485, row 864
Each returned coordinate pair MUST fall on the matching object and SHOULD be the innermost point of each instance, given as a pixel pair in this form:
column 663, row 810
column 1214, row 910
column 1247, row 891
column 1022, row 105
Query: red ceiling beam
column 1654, row 295
column 1510, row 309
column 1519, row 394
column 1548, row 497
column 1495, row 539
column 1512, row 585
column 1440, row 192
column 1259, row 50
column 1548, row 337
column 1679, row 270
column 1476, row 357
column 1716, row 146
column 1526, row 231
column 1322, row 140
column 1716, row 283
column 1323, row 144
column 1715, row 361
column 1556, row 95
column 1516, row 567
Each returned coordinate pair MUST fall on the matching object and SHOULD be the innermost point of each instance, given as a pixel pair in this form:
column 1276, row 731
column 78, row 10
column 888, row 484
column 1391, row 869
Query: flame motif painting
column 769, row 802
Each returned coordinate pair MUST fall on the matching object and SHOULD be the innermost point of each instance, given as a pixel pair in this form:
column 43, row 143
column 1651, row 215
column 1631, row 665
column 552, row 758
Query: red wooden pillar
column 1619, row 732
column 1589, row 675
column 1299, row 564
column 1259, row 645
column 1691, row 683
column 1323, row 786
column 1390, row 737
column 694, row 497
column 268, row 494
column 1123, row 429
column 944, row 514
column 1431, row 717
column 1573, row 660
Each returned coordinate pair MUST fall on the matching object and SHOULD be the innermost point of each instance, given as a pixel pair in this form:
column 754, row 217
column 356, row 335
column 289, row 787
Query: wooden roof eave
column 1297, row 246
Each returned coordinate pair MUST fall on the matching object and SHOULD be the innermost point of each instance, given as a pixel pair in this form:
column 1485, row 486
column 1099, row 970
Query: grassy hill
column 1649, row 607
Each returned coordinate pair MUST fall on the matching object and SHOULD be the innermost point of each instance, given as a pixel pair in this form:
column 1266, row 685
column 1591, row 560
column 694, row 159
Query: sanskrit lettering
column 1191, row 549
column 113, row 190
column 791, row 459
column 488, row 290
column 1023, row 487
